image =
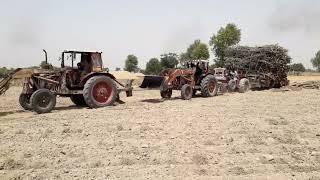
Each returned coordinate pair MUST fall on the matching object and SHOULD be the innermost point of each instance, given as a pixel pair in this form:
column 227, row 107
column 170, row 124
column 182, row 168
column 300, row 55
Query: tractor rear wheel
column 100, row 91
column 24, row 100
column 78, row 100
column 186, row 92
column 43, row 101
column 244, row 85
column 209, row 86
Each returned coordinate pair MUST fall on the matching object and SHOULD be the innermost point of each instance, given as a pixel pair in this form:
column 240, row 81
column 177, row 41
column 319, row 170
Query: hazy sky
column 149, row 28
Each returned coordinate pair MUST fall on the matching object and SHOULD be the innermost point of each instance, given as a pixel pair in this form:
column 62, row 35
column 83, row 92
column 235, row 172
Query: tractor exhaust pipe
column 46, row 55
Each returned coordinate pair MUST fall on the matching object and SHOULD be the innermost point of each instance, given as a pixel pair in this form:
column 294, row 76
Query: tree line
column 227, row 36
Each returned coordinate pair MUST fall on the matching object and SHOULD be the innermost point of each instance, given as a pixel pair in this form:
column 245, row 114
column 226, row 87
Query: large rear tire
column 186, row 92
column 24, row 100
column 78, row 100
column 244, row 85
column 209, row 86
column 100, row 91
column 43, row 101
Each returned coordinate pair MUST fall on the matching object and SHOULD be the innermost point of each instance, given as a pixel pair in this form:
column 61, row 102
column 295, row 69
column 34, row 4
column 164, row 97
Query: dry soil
column 256, row 135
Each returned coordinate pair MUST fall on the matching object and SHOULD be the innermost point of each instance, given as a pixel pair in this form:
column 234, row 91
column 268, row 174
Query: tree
column 3, row 71
column 316, row 61
column 225, row 37
column 169, row 60
column 153, row 66
column 197, row 50
column 298, row 67
column 131, row 64
column 45, row 65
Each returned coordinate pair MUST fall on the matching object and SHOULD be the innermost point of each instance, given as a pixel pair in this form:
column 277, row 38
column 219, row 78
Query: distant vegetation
column 131, row 63
column 4, row 71
column 316, row 61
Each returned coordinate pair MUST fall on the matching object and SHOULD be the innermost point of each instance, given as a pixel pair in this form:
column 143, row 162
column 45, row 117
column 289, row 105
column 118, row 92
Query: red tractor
column 196, row 77
column 83, row 80
column 231, row 81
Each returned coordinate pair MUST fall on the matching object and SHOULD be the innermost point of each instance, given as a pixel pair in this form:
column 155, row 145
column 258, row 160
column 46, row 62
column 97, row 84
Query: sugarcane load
column 264, row 66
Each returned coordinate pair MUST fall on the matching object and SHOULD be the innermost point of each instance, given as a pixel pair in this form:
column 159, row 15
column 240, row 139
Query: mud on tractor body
column 196, row 77
column 231, row 81
column 86, row 83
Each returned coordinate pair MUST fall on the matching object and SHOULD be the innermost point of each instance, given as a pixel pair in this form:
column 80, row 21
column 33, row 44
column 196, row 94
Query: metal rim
column 44, row 101
column 102, row 92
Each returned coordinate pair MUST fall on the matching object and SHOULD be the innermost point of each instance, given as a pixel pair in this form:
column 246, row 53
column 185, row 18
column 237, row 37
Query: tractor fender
column 203, row 76
column 90, row 75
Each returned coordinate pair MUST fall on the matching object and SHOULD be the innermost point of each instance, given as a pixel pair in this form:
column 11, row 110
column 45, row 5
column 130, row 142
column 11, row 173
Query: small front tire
column 43, row 101
column 244, row 85
column 186, row 92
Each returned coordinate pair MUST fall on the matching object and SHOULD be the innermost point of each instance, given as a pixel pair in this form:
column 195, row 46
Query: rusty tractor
column 231, row 81
column 196, row 77
column 81, row 78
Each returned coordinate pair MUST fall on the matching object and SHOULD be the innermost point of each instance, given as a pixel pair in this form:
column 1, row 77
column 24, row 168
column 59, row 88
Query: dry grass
column 305, row 77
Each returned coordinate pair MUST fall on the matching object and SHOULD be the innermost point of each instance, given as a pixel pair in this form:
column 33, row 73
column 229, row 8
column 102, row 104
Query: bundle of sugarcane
column 271, row 60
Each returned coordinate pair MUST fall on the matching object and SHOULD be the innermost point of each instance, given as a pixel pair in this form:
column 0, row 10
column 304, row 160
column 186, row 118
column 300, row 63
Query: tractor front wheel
column 100, row 91
column 232, row 85
column 186, row 92
column 24, row 100
column 209, row 86
column 78, row 100
column 166, row 94
column 43, row 101
column 244, row 85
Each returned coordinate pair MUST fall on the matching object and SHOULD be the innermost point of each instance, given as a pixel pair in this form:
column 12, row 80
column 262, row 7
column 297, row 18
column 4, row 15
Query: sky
column 149, row 28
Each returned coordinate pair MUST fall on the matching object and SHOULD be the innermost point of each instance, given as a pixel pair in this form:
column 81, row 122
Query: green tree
column 298, row 67
column 196, row 50
column 169, row 60
column 316, row 61
column 225, row 37
column 131, row 64
column 184, row 57
column 45, row 65
column 3, row 71
column 153, row 66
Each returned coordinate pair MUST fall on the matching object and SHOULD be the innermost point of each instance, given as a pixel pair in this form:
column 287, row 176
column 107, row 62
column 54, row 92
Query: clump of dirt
column 11, row 164
column 200, row 159
column 126, row 161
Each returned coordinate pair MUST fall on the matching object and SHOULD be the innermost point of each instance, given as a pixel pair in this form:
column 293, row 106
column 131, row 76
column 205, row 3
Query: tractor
column 231, row 81
column 195, row 77
column 81, row 78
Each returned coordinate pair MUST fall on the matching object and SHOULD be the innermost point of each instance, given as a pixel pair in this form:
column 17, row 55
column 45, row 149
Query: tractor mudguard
column 88, row 76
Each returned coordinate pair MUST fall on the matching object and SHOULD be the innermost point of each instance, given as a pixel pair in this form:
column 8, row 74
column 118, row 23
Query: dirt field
column 257, row 135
